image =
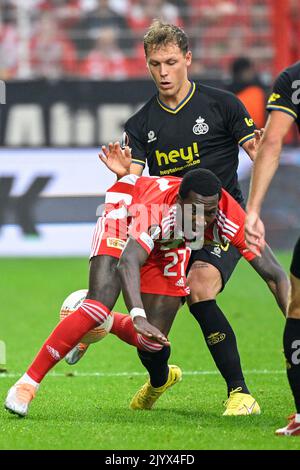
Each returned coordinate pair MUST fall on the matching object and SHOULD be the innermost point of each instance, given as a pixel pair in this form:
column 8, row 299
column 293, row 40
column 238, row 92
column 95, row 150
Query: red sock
column 123, row 328
column 66, row 335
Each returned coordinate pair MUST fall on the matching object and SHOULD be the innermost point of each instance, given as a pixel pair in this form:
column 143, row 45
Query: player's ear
column 188, row 58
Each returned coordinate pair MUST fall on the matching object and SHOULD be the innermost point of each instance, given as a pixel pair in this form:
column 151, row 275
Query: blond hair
column 161, row 34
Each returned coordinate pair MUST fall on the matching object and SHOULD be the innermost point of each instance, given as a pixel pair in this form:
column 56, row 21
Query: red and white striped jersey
column 111, row 230
column 154, row 210
column 150, row 202
column 228, row 226
column 119, row 197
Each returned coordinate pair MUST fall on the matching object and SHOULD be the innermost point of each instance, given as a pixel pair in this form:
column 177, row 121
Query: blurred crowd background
column 102, row 39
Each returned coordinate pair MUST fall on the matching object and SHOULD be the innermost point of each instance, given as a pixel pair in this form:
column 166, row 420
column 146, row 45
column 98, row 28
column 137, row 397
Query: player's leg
column 210, row 269
column 108, row 241
column 103, row 292
column 163, row 284
column 291, row 343
column 161, row 311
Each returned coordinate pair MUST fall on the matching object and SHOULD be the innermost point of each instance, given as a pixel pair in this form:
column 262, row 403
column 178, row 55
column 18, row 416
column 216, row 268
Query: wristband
column 135, row 312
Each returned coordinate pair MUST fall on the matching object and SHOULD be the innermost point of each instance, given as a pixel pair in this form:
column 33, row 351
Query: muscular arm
column 130, row 263
column 264, row 168
column 273, row 274
column 267, row 159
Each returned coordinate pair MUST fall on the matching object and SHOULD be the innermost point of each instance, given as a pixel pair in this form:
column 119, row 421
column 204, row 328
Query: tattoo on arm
column 200, row 265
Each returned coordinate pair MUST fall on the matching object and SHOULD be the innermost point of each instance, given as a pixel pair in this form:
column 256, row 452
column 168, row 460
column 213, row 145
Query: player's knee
column 201, row 294
column 204, row 281
column 147, row 344
column 202, row 289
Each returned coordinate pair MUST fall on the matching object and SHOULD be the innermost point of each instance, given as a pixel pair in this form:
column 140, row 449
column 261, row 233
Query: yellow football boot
column 240, row 404
column 145, row 398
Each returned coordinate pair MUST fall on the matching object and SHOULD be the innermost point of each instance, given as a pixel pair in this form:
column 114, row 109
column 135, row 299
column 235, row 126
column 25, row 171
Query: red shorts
column 164, row 272
column 109, row 237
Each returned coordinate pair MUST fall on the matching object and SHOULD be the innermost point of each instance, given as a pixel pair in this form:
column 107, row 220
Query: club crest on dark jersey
column 200, row 127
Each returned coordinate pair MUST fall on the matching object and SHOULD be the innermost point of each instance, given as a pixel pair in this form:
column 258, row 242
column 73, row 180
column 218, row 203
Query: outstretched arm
column 130, row 263
column 273, row 274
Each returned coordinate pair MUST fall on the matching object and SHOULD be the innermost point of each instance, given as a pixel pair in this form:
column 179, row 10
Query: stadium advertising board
column 68, row 113
column 49, row 198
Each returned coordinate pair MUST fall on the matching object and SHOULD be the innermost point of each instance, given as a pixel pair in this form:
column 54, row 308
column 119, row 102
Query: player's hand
column 259, row 135
column 116, row 159
column 252, row 145
column 255, row 233
column 143, row 327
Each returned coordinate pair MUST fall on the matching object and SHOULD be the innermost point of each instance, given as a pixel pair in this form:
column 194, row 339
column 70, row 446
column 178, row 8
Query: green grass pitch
column 88, row 409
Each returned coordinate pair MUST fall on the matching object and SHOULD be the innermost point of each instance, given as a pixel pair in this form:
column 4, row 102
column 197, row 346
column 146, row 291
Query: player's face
column 201, row 210
column 168, row 68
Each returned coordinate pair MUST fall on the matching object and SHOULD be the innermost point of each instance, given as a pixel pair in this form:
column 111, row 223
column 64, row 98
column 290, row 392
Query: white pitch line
column 12, row 375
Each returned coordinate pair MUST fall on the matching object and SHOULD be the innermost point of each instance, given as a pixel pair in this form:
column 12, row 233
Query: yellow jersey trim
column 282, row 108
column 247, row 137
column 139, row 162
column 181, row 105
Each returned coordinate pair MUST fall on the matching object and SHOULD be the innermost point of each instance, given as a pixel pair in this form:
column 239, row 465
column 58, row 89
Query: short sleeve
column 281, row 97
column 239, row 122
column 145, row 231
column 133, row 138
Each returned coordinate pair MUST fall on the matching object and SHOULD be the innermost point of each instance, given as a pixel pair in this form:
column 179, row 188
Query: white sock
column 28, row 380
column 297, row 418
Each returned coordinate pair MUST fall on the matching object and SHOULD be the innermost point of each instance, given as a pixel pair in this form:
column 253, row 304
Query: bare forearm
column 264, row 168
column 280, row 289
column 129, row 273
column 270, row 270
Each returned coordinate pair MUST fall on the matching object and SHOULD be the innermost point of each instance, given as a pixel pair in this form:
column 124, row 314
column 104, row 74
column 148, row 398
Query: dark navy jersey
column 286, row 93
column 203, row 131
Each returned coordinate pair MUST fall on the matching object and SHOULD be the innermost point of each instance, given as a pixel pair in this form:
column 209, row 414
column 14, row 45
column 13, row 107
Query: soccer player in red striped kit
column 152, row 253
column 104, row 285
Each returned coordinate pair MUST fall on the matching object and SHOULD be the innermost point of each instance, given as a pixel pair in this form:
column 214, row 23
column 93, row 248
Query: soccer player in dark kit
column 182, row 127
column 284, row 108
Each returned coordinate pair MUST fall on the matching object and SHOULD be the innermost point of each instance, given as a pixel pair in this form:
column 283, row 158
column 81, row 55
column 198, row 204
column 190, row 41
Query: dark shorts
column 224, row 259
column 295, row 266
